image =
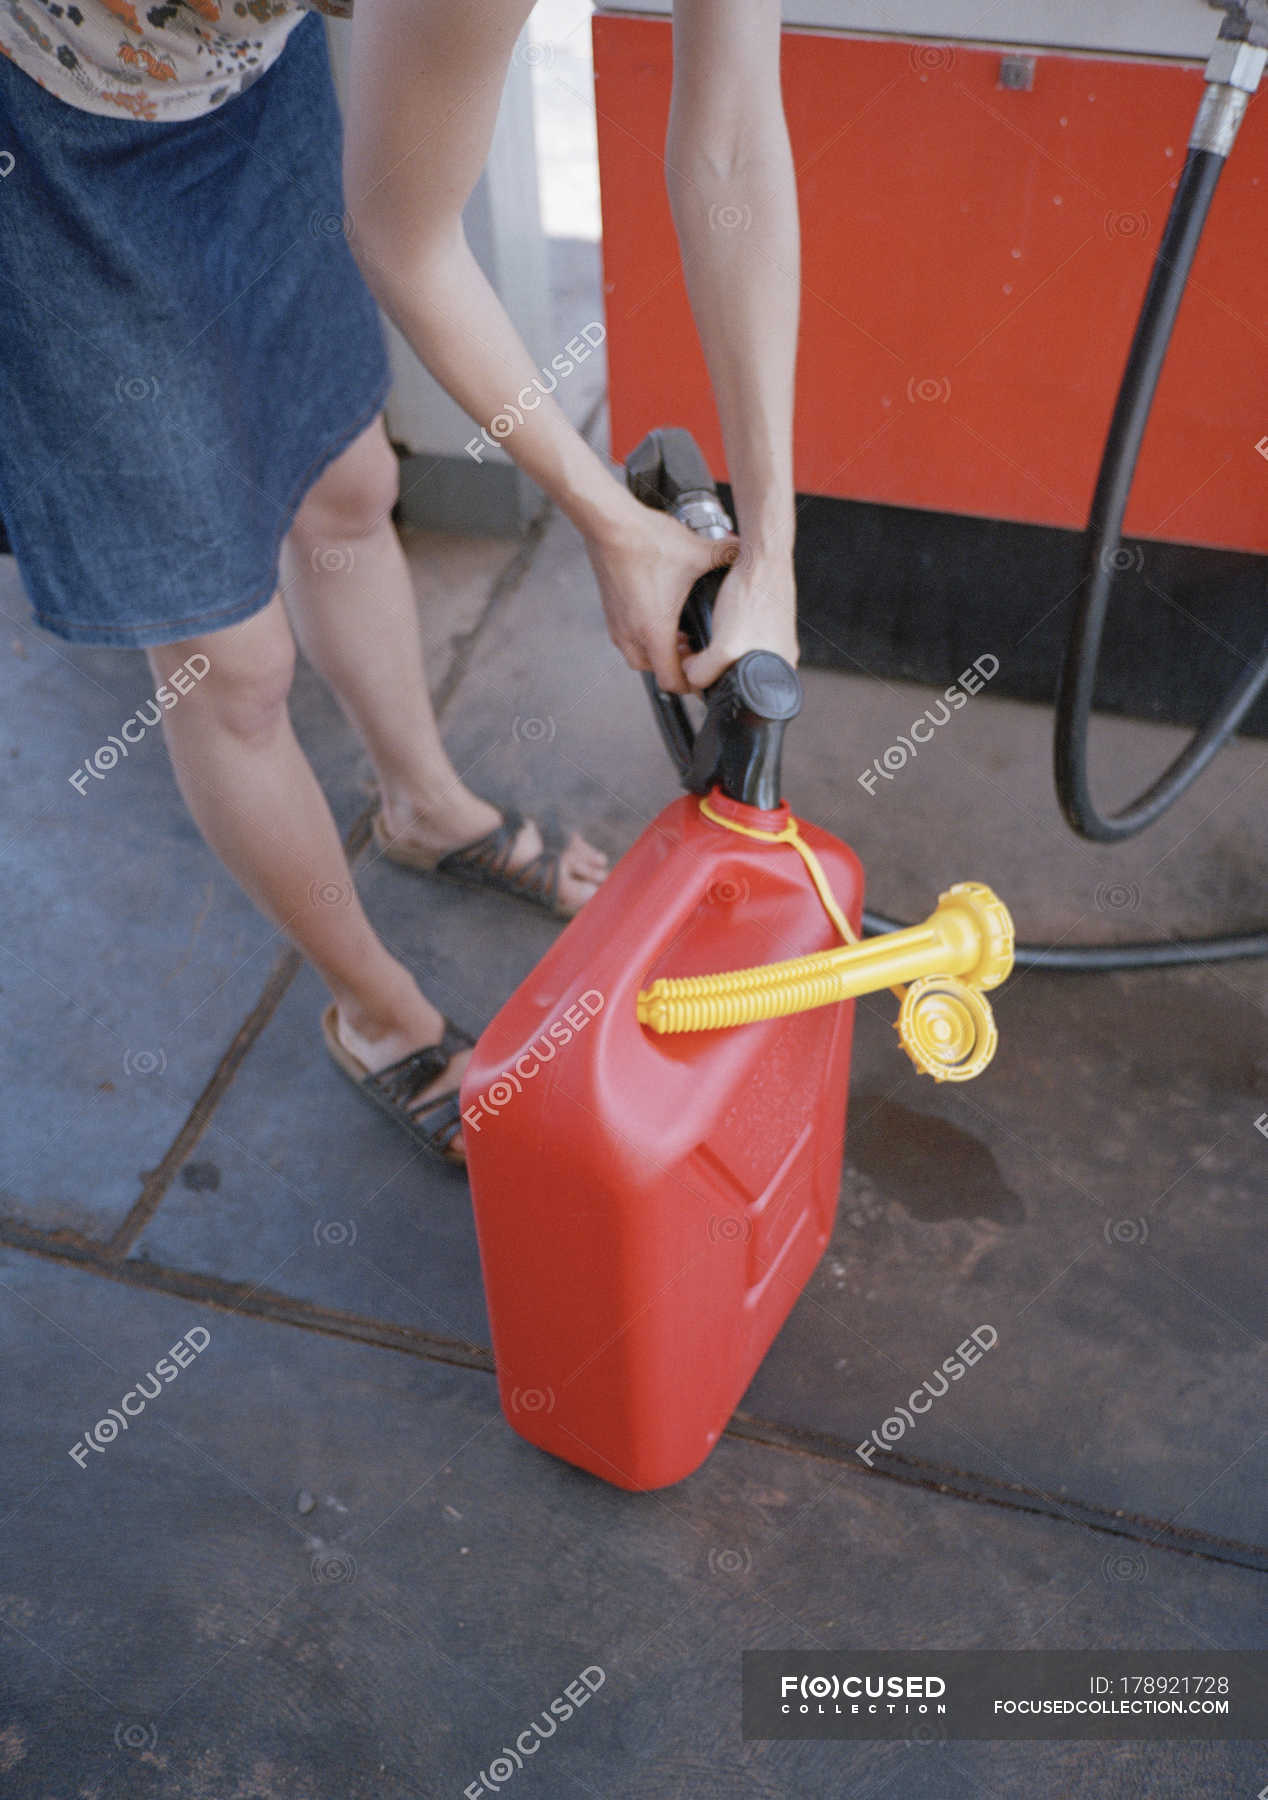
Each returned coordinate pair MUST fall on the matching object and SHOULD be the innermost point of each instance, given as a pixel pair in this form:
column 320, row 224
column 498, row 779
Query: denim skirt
column 185, row 343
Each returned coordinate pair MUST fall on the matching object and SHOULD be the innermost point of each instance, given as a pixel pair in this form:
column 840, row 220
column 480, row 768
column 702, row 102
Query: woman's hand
column 756, row 609
column 646, row 564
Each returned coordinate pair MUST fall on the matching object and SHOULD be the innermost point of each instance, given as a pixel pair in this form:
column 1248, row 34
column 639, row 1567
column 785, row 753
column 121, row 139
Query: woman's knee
column 353, row 494
column 247, row 681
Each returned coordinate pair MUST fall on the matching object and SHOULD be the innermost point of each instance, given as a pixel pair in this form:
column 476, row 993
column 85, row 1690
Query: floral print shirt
column 150, row 59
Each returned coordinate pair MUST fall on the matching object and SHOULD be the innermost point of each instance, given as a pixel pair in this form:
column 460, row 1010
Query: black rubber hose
column 1192, row 202
column 1174, row 260
column 1090, row 959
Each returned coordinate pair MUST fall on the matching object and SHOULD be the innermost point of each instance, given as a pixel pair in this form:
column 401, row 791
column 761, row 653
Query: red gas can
column 649, row 1207
column 654, row 1157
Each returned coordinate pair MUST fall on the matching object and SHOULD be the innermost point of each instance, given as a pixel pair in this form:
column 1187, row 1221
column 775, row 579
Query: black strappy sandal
column 436, row 1123
column 487, row 862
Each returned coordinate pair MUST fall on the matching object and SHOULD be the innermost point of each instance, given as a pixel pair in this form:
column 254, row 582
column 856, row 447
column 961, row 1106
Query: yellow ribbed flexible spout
column 966, row 936
column 965, row 946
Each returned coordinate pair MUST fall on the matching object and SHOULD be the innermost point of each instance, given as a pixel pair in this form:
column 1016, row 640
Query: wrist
column 772, row 555
column 769, row 536
column 765, row 507
column 770, row 572
column 601, row 507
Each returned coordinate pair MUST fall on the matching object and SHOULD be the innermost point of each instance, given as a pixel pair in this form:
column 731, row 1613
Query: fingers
column 664, row 661
column 703, row 669
column 661, row 651
column 667, row 666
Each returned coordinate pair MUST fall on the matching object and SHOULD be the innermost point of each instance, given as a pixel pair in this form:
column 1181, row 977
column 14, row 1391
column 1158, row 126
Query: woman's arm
column 733, row 194
column 425, row 82
column 426, row 77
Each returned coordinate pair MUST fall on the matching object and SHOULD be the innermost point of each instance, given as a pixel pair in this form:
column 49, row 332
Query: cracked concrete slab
column 312, row 1567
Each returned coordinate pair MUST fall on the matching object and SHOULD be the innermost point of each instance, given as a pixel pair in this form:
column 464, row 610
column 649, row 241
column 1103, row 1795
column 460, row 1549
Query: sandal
column 486, row 862
column 436, row 1123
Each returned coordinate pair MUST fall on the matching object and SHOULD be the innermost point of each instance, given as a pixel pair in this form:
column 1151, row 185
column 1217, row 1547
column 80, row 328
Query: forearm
column 733, row 193
column 445, row 61
column 447, row 310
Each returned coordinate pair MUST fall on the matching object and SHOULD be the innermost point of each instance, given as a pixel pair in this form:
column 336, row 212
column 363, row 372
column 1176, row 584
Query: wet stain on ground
column 933, row 1168
column 201, row 1177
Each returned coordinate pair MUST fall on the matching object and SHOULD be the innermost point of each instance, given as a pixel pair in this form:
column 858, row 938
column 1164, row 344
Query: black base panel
column 910, row 595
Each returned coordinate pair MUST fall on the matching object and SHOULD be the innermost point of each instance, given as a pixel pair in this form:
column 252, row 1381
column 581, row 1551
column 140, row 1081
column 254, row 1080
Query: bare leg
column 351, row 601
column 256, row 800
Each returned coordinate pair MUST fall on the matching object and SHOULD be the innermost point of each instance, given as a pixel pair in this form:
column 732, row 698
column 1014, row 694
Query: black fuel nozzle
column 739, row 744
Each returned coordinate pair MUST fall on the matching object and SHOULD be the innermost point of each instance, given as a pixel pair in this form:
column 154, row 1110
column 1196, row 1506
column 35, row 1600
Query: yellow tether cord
column 791, row 834
column 770, row 990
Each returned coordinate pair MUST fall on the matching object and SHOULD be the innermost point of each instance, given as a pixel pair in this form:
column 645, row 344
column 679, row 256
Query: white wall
column 1179, row 28
column 504, row 229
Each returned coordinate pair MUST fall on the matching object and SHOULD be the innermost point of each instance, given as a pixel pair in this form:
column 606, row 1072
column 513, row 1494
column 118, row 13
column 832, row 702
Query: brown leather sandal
column 486, row 862
column 436, row 1123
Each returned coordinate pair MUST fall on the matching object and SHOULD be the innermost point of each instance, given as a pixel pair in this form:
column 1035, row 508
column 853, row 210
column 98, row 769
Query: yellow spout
column 964, row 947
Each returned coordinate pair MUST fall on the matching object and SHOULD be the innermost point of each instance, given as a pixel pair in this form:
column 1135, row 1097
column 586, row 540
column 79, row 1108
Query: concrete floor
column 321, row 1564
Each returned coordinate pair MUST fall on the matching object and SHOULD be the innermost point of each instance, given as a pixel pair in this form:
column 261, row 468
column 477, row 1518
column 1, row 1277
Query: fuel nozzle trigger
column 739, row 744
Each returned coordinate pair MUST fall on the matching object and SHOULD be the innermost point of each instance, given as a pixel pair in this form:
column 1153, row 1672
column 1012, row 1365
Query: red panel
column 973, row 263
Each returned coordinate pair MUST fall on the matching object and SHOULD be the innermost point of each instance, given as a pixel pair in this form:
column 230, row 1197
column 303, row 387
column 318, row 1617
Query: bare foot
column 462, row 818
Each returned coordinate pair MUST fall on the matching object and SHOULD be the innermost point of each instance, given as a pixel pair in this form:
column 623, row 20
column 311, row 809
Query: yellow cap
column 947, row 1027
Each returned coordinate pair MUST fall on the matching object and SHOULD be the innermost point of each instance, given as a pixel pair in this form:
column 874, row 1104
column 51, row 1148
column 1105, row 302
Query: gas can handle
column 738, row 747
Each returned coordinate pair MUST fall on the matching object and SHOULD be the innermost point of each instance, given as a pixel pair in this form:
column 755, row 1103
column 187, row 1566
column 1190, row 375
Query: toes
column 582, row 866
column 576, row 888
column 448, row 1081
column 585, row 859
column 580, row 877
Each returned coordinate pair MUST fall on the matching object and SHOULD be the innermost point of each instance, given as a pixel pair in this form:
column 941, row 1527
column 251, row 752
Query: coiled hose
column 1167, row 283
column 1171, row 269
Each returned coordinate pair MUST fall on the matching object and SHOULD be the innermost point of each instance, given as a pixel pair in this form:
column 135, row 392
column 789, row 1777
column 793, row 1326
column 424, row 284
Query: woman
column 192, row 453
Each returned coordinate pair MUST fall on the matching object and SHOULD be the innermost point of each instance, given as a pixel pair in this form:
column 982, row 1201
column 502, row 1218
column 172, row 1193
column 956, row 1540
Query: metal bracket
column 1017, row 71
column 1247, row 21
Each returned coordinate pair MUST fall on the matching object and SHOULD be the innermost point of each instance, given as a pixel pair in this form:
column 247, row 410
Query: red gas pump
column 654, row 1122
